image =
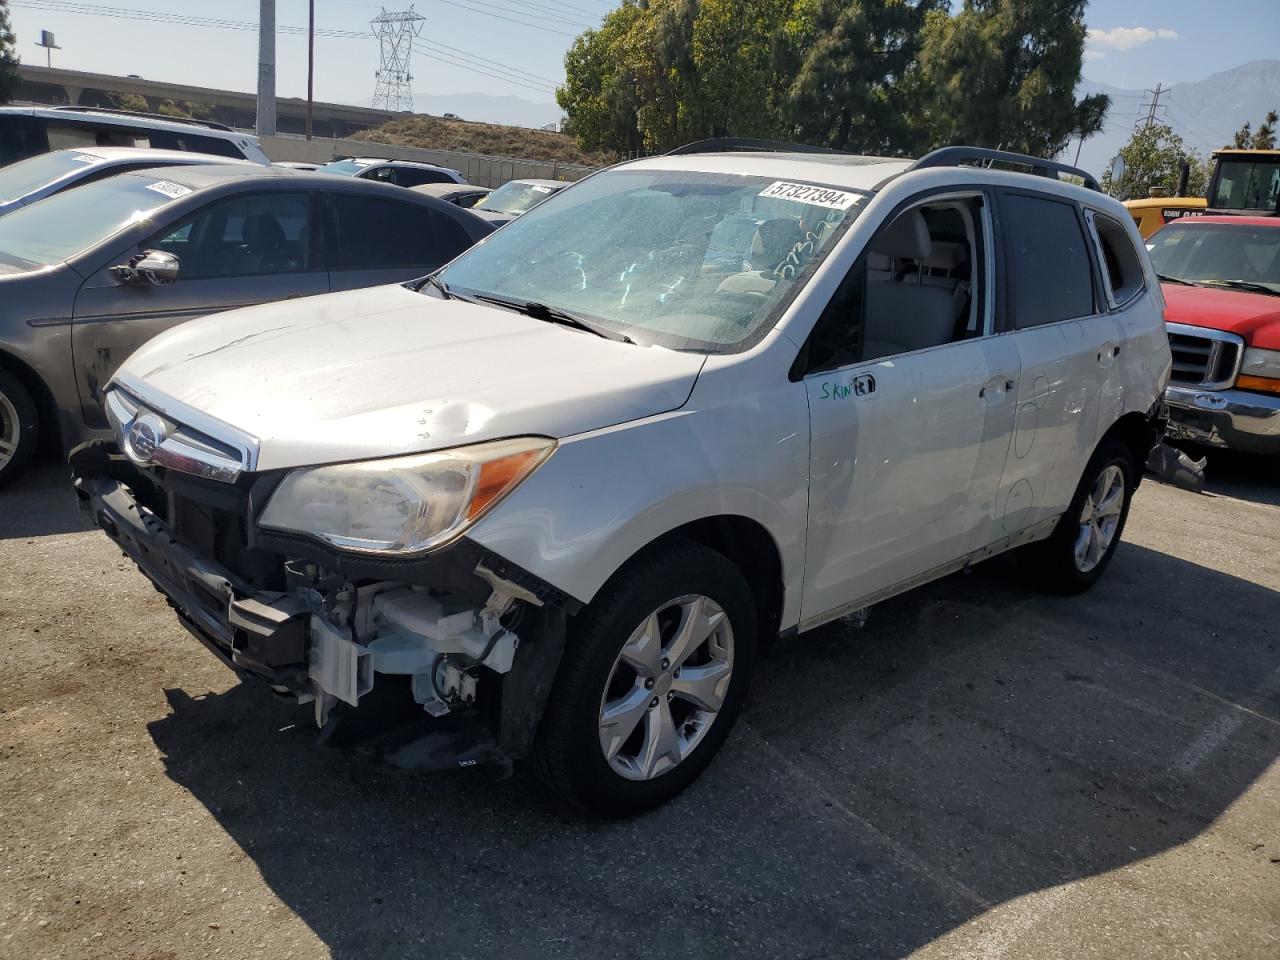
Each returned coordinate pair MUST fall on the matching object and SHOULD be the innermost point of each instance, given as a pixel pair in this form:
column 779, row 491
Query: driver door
column 910, row 407
column 234, row 252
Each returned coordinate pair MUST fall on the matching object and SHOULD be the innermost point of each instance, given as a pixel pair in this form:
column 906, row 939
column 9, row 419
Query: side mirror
column 1117, row 175
column 154, row 267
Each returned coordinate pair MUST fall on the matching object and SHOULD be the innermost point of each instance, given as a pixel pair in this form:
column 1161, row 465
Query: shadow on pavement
column 1243, row 476
column 974, row 742
column 40, row 502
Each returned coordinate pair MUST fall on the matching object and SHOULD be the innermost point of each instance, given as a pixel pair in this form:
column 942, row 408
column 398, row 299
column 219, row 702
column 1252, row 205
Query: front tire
column 1085, row 539
column 652, row 680
column 19, row 427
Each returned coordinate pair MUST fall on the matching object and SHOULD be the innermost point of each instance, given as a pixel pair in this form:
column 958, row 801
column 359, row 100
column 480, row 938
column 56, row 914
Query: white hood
column 383, row 371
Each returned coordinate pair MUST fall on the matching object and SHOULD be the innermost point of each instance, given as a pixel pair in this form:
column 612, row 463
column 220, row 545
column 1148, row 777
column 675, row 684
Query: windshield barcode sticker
column 173, row 190
column 808, row 193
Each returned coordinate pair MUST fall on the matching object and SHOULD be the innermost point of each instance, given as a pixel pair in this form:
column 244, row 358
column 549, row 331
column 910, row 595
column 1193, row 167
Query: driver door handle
column 996, row 389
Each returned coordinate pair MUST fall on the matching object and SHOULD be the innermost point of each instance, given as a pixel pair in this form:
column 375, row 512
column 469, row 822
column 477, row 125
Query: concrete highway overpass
column 53, row 85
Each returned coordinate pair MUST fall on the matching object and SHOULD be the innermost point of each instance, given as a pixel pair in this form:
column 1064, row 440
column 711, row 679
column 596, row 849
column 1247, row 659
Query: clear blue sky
column 1135, row 42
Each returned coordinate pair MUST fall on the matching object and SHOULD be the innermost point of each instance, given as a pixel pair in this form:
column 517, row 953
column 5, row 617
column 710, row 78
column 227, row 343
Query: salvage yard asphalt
column 981, row 771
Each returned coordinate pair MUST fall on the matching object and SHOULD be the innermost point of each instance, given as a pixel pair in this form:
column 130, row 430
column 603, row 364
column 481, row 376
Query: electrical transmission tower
column 393, row 83
column 1153, row 106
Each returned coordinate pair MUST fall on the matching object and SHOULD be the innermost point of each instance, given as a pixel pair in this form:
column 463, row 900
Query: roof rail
column 955, row 156
column 746, row 145
column 141, row 114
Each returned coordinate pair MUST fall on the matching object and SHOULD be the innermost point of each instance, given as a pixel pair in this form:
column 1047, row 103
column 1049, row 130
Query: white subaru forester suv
column 550, row 501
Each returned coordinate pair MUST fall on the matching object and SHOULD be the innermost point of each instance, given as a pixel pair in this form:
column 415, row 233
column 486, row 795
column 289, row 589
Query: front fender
column 604, row 496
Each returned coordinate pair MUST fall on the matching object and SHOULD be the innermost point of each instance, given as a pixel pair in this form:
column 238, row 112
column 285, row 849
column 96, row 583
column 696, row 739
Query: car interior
column 242, row 237
column 916, row 286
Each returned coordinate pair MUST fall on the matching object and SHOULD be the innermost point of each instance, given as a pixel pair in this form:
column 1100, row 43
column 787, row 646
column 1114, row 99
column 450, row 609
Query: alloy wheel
column 9, row 429
column 666, row 687
column 1100, row 518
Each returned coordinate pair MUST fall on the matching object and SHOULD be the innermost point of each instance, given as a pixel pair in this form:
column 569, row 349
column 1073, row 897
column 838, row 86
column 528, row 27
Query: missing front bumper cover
column 288, row 640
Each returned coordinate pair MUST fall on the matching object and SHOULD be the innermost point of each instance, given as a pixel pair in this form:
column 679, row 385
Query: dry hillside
column 434, row 133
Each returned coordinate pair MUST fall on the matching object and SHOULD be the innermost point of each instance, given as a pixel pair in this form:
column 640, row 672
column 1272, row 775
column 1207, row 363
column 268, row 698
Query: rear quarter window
column 1121, row 264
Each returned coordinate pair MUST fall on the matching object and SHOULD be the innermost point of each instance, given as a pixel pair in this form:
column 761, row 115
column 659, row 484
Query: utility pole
column 1153, row 106
column 266, row 119
column 311, row 59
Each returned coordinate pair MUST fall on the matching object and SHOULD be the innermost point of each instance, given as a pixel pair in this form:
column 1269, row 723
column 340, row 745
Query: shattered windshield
column 516, row 197
column 687, row 260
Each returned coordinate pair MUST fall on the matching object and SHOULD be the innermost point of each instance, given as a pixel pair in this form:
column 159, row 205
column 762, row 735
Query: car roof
column 558, row 184
column 205, row 176
column 448, row 189
column 837, row 169
column 388, row 161
column 126, row 119
column 201, row 175
column 129, row 154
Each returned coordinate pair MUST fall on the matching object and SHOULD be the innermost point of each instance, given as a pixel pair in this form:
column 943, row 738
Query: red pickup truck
column 1221, row 281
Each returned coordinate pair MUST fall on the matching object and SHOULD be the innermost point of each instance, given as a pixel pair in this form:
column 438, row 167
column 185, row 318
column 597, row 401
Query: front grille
column 1203, row 357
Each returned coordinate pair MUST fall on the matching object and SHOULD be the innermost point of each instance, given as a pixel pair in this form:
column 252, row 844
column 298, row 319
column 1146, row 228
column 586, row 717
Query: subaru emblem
column 145, row 436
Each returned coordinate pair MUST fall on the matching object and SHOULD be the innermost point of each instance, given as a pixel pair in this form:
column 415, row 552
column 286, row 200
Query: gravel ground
column 980, row 772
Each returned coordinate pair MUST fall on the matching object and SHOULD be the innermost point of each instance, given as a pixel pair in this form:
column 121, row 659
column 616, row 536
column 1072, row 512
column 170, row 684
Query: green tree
column 1003, row 73
column 745, row 53
column 1264, row 139
column 8, row 56
column 599, row 95
column 848, row 92
column 1152, row 158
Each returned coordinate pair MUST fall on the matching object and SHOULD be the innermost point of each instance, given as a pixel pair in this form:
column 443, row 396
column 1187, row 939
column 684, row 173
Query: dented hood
column 384, row 371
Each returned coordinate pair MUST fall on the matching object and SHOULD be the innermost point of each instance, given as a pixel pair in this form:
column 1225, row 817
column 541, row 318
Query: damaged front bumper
column 467, row 672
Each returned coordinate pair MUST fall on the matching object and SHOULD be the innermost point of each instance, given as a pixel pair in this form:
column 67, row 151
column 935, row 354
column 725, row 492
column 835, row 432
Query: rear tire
column 19, row 427
column 651, row 682
column 1085, row 539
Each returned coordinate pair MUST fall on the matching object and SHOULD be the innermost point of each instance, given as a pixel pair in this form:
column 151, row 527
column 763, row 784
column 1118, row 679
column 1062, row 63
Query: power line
column 453, row 51
column 532, row 26
column 443, row 58
column 459, row 58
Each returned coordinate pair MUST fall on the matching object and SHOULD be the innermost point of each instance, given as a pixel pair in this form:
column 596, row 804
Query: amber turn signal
column 1264, row 384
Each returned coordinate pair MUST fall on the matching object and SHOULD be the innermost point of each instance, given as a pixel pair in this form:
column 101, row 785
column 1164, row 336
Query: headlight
column 1260, row 370
column 402, row 505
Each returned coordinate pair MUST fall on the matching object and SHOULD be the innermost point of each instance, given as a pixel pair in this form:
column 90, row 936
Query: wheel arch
column 1138, row 432
column 750, row 548
column 46, row 408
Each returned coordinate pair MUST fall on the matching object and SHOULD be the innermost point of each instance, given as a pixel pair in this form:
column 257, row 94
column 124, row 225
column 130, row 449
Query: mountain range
column 1205, row 113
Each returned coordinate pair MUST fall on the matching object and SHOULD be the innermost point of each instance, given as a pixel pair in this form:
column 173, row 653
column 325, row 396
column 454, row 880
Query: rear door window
column 375, row 233
column 1047, row 264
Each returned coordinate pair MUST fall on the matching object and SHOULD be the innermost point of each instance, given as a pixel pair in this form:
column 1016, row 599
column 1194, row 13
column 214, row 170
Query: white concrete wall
column 479, row 169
